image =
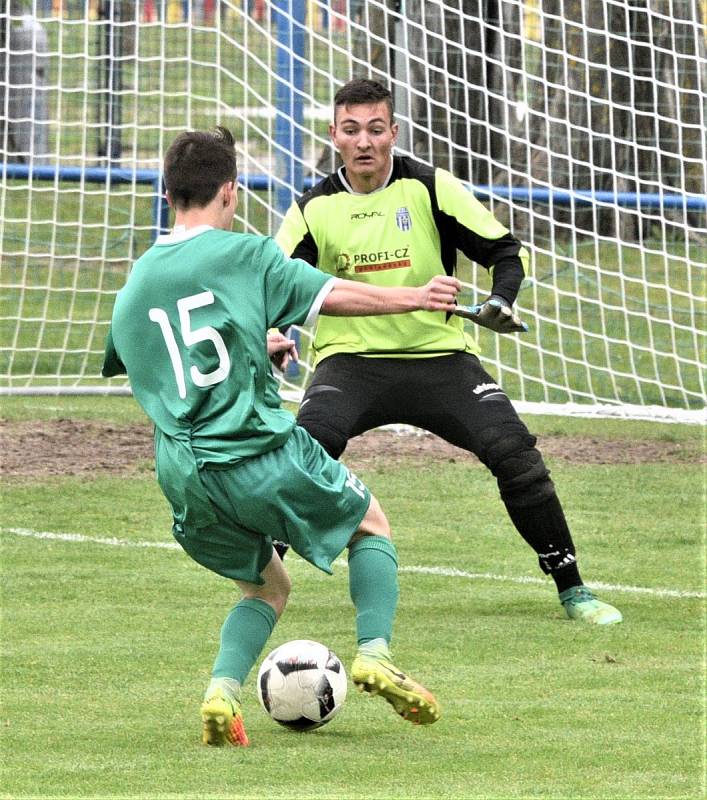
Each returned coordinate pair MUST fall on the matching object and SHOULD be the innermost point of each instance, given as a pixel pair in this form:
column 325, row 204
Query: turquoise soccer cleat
column 580, row 604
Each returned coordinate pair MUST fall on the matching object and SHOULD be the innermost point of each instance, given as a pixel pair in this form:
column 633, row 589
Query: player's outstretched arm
column 495, row 314
column 354, row 299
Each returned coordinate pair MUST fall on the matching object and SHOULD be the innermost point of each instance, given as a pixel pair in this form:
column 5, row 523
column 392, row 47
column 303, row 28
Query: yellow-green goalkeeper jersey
column 402, row 234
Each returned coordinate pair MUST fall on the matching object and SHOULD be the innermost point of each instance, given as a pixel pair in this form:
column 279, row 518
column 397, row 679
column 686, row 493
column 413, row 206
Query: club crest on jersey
column 343, row 264
column 403, row 219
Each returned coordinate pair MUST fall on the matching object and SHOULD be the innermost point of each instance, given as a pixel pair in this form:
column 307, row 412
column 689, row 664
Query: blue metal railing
column 160, row 210
column 568, row 197
column 104, row 175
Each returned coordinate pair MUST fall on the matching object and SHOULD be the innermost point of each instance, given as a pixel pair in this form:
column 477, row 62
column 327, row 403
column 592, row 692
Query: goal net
column 580, row 124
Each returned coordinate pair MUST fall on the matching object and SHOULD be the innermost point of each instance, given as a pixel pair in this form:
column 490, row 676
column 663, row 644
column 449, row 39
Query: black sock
column 545, row 529
column 566, row 577
column 281, row 548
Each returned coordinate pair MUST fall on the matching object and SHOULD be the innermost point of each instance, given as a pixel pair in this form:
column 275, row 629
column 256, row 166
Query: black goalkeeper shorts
column 451, row 396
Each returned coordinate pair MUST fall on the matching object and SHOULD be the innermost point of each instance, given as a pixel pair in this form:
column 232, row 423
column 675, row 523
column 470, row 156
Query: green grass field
column 108, row 638
column 109, row 631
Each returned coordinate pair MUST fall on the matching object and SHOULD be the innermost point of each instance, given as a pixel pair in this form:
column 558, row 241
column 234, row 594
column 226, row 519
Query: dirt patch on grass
column 89, row 448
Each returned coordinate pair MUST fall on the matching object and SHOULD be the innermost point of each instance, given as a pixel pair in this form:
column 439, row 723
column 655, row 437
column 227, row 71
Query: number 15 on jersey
column 191, row 337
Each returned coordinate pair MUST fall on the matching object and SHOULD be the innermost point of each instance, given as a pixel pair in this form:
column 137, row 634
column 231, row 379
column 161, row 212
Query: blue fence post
column 289, row 19
column 160, row 208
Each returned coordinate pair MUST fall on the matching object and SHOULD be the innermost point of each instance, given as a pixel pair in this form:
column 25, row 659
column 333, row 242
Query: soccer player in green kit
column 386, row 220
column 190, row 328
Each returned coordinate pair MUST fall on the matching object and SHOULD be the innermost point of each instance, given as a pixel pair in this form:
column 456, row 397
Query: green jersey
column 403, row 234
column 189, row 327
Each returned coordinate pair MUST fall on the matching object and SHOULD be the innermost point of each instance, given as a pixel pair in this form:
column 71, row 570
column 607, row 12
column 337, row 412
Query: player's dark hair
column 363, row 91
column 197, row 165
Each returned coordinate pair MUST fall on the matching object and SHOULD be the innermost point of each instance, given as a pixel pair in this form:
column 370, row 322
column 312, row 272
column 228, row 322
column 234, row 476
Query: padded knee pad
column 509, row 452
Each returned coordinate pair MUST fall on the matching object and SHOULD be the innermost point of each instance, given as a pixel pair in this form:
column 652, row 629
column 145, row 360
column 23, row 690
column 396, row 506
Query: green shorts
column 296, row 493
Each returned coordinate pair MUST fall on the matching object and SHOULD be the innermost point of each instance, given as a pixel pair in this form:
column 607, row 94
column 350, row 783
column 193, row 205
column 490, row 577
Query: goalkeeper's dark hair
column 197, row 165
column 363, row 91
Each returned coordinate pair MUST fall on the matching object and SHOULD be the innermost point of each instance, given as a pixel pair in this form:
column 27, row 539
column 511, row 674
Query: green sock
column 373, row 584
column 243, row 636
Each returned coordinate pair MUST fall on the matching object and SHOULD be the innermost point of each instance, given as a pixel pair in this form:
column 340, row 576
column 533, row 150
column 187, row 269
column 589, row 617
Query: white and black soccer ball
column 302, row 685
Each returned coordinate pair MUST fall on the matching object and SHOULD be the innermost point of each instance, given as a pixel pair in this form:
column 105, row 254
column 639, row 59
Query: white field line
column 446, row 572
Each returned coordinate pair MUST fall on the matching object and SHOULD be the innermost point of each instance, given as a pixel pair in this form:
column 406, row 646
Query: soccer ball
column 302, row 685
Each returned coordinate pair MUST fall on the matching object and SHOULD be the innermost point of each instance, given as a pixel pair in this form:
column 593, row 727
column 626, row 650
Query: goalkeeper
column 386, row 220
column 190, row 329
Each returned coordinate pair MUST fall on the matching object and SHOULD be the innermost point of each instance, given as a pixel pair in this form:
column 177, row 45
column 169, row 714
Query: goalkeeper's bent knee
column 509, row 452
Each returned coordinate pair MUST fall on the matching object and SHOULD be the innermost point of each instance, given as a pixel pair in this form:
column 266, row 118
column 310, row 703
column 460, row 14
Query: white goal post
column 581, row 124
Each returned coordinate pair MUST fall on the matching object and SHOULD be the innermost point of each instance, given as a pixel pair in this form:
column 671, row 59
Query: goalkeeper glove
column 494, row 314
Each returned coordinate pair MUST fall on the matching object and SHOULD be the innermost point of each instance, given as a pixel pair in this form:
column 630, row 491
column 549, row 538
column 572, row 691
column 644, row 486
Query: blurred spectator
column 26, row 124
